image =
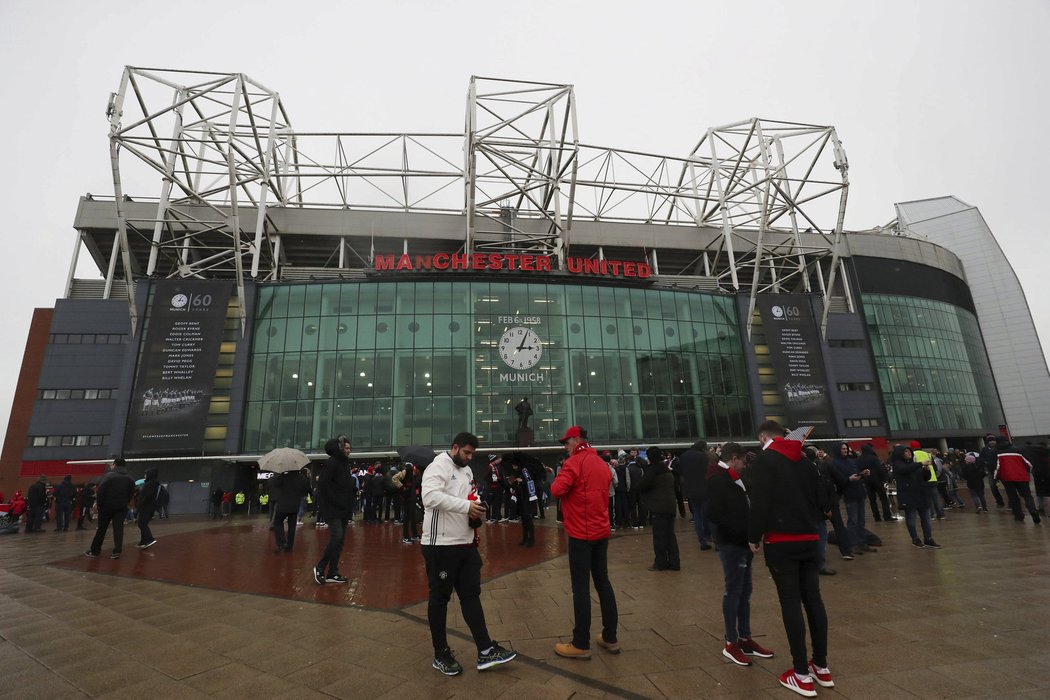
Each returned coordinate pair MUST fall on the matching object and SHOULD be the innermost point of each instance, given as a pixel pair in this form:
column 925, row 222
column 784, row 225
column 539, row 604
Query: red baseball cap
column 573, row 432
column 914, row 444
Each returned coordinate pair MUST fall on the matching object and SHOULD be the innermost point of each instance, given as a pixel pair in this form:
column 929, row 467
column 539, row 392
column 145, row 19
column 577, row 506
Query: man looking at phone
column 450, row 552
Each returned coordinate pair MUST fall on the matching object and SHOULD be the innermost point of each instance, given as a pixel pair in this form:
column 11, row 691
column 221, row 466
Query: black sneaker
column 494, row 657
column 318, row 575
column 917, row 543
column 90, row 555
column 447, row 664
column 336, row 578
column 931, row 544
column 115, row 555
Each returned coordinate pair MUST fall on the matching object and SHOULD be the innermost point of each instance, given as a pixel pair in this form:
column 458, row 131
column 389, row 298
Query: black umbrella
column 417, row 455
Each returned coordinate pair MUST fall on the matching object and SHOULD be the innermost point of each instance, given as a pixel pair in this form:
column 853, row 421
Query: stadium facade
column 285, row 286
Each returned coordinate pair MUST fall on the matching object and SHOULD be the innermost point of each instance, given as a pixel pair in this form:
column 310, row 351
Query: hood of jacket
column 838, row 459
column 898, row 453
column 151, row 474
column 334, row 447
column 868, row 449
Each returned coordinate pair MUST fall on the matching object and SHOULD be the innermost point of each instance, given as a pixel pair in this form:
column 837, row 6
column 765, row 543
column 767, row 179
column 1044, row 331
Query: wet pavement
column 210, row 610
column 383, row 571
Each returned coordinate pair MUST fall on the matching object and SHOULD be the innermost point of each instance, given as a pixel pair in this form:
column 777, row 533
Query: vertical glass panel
column 330, row 299
column 279, row 302
column 589, row 297
column 405, row 298
column 383, row 374
column 312, row 300
column 349, row 302
column 338, row 333
column 264, row 303
column 519, row 302
column 366, row 332
column 385, row 297
column 367, row 298
column 296, row 298
column 555, row 295
column 324, row 379
column 384, row 331
column 382, row 422
column 311, row 333
column 573, row 300
column 306, row 372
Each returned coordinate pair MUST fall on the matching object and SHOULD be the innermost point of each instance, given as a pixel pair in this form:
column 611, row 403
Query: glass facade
column 932, row 366
column 396, row 363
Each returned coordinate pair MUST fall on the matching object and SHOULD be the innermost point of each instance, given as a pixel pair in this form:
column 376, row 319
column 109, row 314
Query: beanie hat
column 914, row 444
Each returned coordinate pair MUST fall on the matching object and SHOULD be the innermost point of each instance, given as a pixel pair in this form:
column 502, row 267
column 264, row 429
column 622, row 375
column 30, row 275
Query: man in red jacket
column 583, row 487
column 1016, row 473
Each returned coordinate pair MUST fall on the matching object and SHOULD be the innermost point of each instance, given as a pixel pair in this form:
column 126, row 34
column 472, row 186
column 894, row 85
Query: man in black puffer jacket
column 657, row 495
column 114, row 493
column 693, row 465
column 147, row 505
column 335, row 500
column 876, row 482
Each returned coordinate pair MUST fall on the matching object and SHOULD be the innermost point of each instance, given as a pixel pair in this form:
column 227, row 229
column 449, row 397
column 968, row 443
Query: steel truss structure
column 771, row 195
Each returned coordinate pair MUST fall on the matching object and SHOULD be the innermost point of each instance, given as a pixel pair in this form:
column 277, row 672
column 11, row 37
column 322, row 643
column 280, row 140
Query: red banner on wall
column 58, row 468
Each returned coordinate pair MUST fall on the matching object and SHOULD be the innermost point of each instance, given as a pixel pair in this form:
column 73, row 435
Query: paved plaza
column 210, row 610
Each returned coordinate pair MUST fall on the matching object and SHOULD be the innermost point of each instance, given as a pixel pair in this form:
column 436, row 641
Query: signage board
column 176, row 377
column 798, row 363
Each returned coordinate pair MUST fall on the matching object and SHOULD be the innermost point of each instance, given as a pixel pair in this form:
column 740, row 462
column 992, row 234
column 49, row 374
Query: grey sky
column 930, row 98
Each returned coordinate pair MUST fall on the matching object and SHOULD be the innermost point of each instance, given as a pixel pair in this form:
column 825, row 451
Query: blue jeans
column 935, row 500
column 589, row 559
column 855, row 523
column 924, row 518
column 700, row 522
column 736, row 601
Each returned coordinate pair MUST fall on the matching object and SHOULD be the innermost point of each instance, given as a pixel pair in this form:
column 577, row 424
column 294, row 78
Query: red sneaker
column 752, row 648
column 733, row 653
column 822, row 675
column 803, row 685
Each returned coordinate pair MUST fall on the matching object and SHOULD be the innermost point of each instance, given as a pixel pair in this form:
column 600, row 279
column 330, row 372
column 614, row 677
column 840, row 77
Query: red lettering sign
column 510, row 261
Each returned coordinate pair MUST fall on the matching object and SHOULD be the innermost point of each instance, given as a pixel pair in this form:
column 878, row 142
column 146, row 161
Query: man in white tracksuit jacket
column 450, row 551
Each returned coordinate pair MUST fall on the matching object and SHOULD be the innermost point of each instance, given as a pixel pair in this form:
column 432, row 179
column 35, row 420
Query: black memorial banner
column 794, row 350
column 169, row 407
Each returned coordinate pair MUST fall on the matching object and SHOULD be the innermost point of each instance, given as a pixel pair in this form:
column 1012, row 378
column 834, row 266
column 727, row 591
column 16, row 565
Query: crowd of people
column 779, row 496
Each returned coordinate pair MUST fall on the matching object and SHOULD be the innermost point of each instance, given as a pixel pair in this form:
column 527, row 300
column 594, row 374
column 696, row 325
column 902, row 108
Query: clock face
column 179, row 300
column 520, row 348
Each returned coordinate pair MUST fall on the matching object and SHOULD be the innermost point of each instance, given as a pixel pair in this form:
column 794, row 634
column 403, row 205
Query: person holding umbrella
column 291, row 487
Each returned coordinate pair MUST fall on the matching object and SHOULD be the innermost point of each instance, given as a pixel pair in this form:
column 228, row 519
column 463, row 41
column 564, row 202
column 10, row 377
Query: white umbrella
column 283, row 459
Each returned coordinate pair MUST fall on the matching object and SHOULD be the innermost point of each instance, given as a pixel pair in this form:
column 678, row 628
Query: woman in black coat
column 291, row 488
column 657, row 494
column 913, row 495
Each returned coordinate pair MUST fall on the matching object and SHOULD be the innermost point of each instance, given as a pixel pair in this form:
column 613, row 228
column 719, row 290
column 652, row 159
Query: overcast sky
column 929, row 98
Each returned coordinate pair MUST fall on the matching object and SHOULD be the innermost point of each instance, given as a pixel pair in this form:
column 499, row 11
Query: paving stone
column 904, row 622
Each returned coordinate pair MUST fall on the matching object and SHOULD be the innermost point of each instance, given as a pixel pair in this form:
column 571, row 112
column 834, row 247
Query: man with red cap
column 583, row 487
